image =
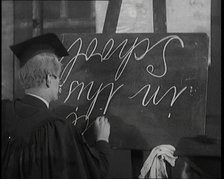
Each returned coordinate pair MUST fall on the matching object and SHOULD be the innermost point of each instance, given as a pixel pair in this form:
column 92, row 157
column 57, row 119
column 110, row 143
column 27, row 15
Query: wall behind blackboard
column 151, row 86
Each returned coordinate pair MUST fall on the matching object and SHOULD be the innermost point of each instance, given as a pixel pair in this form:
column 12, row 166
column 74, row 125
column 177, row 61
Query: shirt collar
column 42, row 99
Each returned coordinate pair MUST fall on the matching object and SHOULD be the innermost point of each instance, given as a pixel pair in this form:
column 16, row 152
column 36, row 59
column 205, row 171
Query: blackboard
column 151, row 86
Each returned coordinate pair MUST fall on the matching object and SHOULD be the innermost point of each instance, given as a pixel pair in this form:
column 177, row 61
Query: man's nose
column 59, row 89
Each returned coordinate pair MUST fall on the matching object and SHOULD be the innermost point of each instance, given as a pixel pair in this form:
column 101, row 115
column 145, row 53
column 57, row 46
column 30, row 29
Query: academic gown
column 37, row 144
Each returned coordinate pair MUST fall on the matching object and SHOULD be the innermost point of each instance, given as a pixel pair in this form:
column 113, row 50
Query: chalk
column 169, row 115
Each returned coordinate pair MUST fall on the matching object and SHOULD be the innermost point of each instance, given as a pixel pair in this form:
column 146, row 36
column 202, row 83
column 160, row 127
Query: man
column 36, row 143
column 198, row 157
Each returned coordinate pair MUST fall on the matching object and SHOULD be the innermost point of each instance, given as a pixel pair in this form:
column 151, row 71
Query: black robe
column 37, row 144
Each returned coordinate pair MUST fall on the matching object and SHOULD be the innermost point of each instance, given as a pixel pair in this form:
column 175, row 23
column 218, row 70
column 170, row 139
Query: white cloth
column 155, row 166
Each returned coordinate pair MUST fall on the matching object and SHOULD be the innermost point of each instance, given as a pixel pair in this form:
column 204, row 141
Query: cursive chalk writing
column 124, row 58
column 145, row 102
column 126, row 49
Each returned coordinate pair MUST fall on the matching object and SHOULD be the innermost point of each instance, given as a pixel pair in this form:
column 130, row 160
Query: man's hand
column 102, row 128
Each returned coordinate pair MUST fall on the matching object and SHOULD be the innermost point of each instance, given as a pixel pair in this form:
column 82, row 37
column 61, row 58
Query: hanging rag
column 155, row 166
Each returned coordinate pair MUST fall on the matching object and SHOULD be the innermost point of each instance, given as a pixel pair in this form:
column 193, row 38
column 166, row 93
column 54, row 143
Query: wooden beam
column 58, row 23
column 7, row 56
column 111, row 20
column 37, row 17
column 159, row 16
column 64, row 9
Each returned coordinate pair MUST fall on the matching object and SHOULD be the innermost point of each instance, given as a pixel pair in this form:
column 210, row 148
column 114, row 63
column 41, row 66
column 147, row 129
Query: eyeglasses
column 55, row 76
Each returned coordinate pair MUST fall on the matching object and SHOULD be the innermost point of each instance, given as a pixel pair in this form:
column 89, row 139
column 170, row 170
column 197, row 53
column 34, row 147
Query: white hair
column 36, row 69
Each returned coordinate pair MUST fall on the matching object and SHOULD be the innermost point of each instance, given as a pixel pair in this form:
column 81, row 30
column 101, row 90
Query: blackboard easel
column 110, row 25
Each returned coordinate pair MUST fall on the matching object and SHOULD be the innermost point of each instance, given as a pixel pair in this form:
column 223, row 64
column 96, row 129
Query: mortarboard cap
column 44, row 43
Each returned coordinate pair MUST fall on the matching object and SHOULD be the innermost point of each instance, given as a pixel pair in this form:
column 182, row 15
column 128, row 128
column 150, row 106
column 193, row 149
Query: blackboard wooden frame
column 159, row 21
column 110, row 25
column 159, row 12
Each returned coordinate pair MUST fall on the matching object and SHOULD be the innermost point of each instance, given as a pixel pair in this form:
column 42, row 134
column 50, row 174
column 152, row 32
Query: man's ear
column 48, row 80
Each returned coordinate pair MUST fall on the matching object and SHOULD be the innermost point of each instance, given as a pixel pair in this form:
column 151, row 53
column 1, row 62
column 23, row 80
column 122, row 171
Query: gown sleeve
column 98, row 156
column 47, row 152
column 46, row 147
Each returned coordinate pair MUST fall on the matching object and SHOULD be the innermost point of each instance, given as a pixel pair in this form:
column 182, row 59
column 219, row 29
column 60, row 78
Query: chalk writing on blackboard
column 155, row 83
column 124, row 57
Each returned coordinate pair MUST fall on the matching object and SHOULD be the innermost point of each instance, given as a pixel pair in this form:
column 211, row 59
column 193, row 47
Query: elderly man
column 36, row 143
column 198, row 157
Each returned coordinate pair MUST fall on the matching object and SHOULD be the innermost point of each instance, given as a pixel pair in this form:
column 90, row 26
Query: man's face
column 54, row 86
